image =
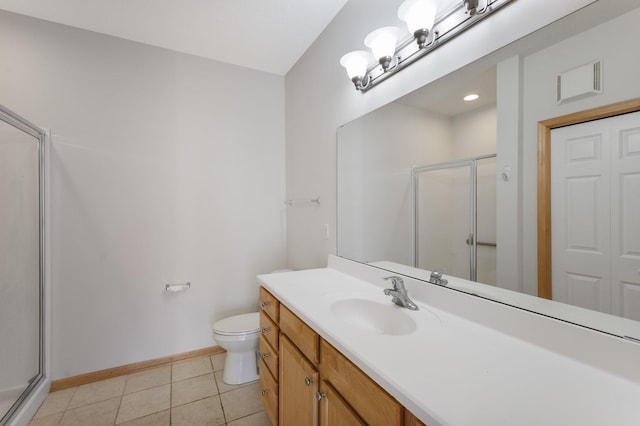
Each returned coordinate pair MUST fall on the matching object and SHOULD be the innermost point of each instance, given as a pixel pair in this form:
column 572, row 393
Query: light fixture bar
column 448, row 25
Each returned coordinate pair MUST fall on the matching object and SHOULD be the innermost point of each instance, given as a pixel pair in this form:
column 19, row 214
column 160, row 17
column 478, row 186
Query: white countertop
column 454, row 371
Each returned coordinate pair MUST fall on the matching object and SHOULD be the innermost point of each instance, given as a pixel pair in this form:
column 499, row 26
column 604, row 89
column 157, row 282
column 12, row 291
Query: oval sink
column 374, row 317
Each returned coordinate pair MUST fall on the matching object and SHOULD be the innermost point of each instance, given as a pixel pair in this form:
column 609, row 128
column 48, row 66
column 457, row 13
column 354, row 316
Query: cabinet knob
column 264, row 392
column 263, row 304
column 263, row 356
column 308, row 381
column 265, row 330
column 320, row 395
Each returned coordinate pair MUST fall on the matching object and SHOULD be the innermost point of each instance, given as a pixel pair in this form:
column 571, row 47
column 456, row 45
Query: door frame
column 544, row 178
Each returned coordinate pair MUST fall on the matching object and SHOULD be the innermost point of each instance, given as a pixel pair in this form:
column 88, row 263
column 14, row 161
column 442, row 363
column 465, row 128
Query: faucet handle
column 397, row 282
column 436, row 278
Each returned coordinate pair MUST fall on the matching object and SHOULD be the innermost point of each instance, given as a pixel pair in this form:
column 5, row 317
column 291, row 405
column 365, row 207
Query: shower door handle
column 480, row 243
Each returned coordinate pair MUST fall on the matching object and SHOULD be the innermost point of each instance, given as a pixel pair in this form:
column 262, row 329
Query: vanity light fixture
column 431, row 23
column 382, row 43
column 471, row 97
column 419, row 15
column 356, row 64
column 472, row 6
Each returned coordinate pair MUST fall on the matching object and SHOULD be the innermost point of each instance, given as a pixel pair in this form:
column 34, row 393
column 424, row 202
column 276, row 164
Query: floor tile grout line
column 224, row 413
column 171, row 396
column 66, row 407
column 63, row 411
column 124, row 387
column 215, row 379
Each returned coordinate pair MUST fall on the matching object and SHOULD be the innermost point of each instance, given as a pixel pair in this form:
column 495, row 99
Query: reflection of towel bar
column 480, row 243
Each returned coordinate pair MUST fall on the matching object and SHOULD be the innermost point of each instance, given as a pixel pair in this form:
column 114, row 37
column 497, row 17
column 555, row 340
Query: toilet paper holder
column 172, row 288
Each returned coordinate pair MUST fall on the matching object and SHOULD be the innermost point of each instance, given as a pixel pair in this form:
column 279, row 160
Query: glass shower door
column 443, row 195
column 455, row 215
column 21, row 365
column 486, row 253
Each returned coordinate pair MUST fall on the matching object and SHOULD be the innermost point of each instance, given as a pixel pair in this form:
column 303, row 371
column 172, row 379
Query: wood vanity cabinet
column 316, row 384
column 334, row 410
column 298, row 387
column 306, row 340
column 268, row 353
column 366, row 397
column 269, row 305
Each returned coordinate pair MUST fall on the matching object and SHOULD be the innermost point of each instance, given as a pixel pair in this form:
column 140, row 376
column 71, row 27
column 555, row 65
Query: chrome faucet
column 399, row 293
column 436, row 278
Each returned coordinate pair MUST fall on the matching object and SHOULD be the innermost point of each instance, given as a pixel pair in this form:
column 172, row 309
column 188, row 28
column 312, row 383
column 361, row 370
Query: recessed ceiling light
column 471, row 97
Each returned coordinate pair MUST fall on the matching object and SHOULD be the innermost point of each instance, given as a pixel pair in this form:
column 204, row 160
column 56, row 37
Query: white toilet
column 239, row 335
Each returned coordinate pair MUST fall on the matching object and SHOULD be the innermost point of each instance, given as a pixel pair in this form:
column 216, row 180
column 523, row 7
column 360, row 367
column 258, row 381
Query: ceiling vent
column 579, row 82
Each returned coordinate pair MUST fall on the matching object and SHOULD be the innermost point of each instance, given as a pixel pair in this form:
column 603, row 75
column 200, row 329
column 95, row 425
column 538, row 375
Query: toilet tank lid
column 238, row 323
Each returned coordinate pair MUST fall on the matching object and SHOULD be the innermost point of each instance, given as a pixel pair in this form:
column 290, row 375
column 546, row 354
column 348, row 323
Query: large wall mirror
column 431, row 182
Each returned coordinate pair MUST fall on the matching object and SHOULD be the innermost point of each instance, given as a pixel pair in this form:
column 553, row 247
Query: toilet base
column 240, row 367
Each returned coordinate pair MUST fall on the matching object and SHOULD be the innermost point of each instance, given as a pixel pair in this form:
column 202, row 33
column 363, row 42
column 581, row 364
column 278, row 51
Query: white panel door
column 595, row 210
column 580, row 215
column 625, row 215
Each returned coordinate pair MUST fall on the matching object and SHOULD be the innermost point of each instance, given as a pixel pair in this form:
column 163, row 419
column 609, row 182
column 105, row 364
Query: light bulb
column 419, row 15
column 382, row 43
column 356, row 64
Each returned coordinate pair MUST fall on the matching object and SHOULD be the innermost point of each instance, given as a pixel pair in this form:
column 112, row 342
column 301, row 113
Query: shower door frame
column 473, row 201
column 31, row 129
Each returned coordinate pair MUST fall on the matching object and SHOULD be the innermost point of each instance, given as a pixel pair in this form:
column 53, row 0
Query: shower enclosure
column 21, row 264
column 455, row 218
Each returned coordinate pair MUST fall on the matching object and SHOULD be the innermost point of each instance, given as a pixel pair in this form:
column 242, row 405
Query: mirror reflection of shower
column 21, row 262
column 455, row 218
column 377, row 154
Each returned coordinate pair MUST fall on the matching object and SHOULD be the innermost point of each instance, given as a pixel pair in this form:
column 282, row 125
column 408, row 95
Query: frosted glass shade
column 418, row 14
column 356, row 63
column 383, row 41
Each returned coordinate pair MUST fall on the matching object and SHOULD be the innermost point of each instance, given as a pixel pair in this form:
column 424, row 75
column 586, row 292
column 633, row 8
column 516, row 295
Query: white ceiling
column 266, row 35
column 445, row 97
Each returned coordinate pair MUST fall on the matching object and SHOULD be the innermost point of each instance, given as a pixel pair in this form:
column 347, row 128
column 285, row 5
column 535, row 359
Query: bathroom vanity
column 336, row 350
column 307, row 381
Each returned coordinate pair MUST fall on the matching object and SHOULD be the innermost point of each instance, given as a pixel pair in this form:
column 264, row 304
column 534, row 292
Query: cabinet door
column 269, row 329
column 334, row 410
column 270, row 305
column 298, row 387
column 365, row 396
column 269, row 356
column 301, row 335
column 269, row 393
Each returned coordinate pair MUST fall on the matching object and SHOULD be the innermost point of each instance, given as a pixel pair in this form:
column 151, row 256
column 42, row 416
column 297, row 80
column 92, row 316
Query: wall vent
column 579, row 82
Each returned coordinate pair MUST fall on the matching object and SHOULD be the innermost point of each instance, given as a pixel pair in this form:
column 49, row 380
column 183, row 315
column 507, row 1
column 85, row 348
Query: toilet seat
column 238, row 325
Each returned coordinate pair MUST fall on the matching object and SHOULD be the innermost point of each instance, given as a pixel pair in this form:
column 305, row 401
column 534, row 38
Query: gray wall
column 375, row 156
column 165, row 168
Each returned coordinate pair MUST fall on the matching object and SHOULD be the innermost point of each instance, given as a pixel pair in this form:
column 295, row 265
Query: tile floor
column 189, row 392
